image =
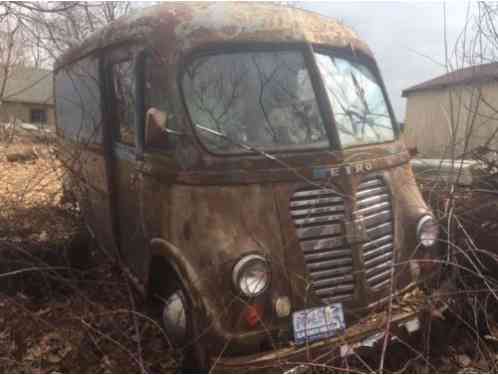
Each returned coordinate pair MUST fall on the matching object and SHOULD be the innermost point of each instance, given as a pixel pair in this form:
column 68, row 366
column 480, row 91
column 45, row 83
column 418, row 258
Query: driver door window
column 155, row 97
column 123, row 90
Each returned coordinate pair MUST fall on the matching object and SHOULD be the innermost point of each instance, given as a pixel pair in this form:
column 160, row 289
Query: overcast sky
column 398, row 34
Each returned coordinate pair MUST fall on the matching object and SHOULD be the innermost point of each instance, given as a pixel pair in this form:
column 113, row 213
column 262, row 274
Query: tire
column 173, row 308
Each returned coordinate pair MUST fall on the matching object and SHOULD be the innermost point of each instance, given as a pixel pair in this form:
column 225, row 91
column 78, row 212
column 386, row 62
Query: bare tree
column 63, row 29
column 34, row 34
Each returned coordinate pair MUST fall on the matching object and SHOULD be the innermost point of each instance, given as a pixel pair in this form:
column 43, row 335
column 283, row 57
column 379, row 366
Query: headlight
column 427, row 231
column 251, row 275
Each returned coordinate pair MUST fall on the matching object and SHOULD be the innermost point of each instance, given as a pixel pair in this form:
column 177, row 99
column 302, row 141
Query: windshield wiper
column 230, row 140
column 265, row 154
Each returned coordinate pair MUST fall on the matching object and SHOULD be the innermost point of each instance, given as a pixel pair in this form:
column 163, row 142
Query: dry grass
column 57, row 319
column 54, row 318
column 28, row 189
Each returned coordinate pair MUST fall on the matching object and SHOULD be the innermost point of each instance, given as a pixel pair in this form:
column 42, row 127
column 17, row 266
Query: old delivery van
column 243, row 164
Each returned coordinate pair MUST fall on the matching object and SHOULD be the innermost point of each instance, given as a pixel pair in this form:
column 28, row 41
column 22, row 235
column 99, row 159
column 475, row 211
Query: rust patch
column 188, row 25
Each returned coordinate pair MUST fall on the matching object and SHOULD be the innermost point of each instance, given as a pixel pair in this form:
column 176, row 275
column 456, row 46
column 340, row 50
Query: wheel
column 175, row 313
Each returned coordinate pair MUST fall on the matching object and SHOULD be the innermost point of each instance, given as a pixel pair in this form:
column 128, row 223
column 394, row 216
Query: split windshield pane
column 261, row 99
column 360, row 110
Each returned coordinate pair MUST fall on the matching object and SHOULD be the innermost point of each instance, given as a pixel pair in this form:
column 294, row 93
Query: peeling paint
column 188, row 25
column 205, row 211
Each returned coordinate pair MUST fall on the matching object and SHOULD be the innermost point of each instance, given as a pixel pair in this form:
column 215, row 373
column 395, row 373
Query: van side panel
column 81, row 146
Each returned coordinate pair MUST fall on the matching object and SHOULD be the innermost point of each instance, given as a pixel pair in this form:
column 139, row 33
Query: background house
column 28, row 96
column 452, row 114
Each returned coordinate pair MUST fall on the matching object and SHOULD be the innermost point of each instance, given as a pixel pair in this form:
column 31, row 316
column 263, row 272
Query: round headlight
column 427, row 231
column 251, row 275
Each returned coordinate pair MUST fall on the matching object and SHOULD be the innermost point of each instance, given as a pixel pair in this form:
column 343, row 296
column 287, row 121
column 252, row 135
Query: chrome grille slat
column 378, row 218
column 333, row 290
column 317, row 211
column 329, row 263
column 311, row 193
column 377, row 241
column 322, row 244
column 362, row 194
column 337, row 298
column 319, row 231
column 382, row 283
column 373, row 208
column 315, row 275
column 318, row 220
column 380, row 230
column 375, row 269
column 382, row 276
column 312, row 257
column 365, row 202
column 374, row 182
column 316, row 202
column 333, row 281
column 318, row 215
column 373, row 202
column 378, row 259
column 388, row 247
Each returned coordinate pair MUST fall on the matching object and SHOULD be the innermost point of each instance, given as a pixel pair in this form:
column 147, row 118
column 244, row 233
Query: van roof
column 179, row 27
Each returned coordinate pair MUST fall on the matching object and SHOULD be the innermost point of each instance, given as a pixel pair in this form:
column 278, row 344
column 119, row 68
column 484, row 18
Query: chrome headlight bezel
column 241, row 272
column 425, row 225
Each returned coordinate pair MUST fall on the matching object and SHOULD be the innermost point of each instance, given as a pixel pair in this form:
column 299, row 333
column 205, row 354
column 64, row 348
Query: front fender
column 208, row 321
column 182, row 266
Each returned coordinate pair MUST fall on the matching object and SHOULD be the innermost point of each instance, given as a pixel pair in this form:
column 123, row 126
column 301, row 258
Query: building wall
column 447, row 122
column 22, row 112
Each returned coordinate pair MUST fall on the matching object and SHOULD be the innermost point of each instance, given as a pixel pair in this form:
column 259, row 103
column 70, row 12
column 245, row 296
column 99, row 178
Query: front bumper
column 364, row 333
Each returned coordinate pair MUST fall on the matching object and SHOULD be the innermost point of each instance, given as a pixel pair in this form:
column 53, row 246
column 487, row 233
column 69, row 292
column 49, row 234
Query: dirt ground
column 54, row 318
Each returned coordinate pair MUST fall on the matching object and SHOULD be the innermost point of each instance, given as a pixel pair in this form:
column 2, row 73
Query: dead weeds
column 54, row 318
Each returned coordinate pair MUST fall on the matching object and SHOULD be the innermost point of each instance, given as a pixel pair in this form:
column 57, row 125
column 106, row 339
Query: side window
column 77, row 94
column 123, row 87
column 37, row 116
column 156, row 96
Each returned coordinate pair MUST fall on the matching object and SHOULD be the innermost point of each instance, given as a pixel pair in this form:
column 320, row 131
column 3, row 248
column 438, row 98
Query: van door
column 121, row 96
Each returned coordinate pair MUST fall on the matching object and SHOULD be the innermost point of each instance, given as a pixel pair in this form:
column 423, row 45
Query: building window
column 38, row 116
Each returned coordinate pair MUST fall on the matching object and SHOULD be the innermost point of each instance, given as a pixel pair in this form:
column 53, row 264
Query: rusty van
column 244, row 165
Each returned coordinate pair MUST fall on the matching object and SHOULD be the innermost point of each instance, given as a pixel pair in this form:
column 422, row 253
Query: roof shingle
column 28, row 85
column 475, row 74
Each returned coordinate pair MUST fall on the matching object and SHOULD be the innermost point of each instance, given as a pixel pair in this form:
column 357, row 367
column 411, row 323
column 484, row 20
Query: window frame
column 39, row 111
column 138, row 57
column 370, row 63
column 324, row 105
column 212, row 49
column 88, row 66
column 144, row 58
column 112, row 99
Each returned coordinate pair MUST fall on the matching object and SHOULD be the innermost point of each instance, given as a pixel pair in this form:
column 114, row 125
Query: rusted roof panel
column 179, row 27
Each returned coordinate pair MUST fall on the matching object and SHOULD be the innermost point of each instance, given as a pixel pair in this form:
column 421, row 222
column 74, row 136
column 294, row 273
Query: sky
column 407, row 38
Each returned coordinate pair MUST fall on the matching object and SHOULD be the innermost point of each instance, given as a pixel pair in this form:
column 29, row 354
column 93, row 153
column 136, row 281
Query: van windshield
column 360, row 109
column 262, row 99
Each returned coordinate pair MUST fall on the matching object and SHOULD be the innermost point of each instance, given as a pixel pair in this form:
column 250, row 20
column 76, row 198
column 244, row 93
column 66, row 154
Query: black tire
column 190, row 354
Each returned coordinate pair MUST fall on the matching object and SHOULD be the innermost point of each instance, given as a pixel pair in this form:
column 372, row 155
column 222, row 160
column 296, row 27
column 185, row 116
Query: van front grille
column 318, row 214
column 373, row 202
